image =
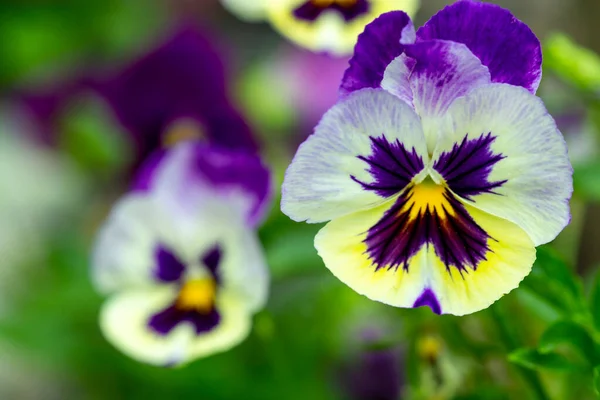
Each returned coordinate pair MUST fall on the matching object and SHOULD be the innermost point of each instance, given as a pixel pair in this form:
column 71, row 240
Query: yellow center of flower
column 428, row 196
column 197, row 295
column 328, row 3
column 183, row 130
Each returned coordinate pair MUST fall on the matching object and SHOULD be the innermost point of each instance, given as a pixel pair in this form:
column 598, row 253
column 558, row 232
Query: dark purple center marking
column 428, row 299
column 391, row 165
column 170, row 269
column 312, row 9
column 211, row 259
column 467, row 166
column 166, row 320
column 413, row 222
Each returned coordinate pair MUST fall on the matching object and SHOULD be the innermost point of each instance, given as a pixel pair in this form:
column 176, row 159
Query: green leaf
column 533, row 359
column 552, row 281
column 573, row 63
column 537, row 284
column 595, row 302
column 557, row 270
column 93, row 138
column 586, row 180
column 571, row 334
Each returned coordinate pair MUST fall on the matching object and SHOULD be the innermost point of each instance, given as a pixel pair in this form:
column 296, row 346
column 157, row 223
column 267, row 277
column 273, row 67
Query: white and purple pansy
column 179, row 257
column 330, row 26
column 439, row 168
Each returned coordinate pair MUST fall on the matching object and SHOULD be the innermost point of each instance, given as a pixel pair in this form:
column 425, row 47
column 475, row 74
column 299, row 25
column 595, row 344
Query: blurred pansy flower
column 177, row 91
column 179, row 257
column 320, row 25
column 439, row 168
column 377, row 372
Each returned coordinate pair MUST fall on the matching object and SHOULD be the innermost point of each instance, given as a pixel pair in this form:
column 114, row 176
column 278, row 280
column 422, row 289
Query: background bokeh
column 65, row 159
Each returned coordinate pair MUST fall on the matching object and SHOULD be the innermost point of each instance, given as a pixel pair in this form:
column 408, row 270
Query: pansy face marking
column 198, row 288
column 438, row 170
column 349, row 9
column 427, row 214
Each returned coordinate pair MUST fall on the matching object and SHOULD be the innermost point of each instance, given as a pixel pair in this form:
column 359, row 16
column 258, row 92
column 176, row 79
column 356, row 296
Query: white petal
column 535, row 166
column 319, row 184
column 124, row 322
column 124, row 255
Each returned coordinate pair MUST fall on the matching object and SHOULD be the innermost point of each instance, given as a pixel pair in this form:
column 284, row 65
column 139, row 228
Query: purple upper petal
column 182, row 78
column 441, row 71
column 507, row 46
column 225, row 171
column 381, row 42
column 231, row 170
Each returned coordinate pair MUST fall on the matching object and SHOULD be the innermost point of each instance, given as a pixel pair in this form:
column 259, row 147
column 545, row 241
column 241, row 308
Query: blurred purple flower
column 179, row 256
column 177, row 89
column 312, row 80
column 376, row 374
column 182, row 79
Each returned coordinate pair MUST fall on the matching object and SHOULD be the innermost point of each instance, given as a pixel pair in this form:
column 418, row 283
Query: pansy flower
column 439, row 168
column 177, row 90
column 179, row 257
column 320, row 25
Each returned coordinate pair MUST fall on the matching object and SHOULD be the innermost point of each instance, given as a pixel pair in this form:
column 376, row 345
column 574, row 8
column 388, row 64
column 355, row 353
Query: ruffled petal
column 439, row 72
column 382, row 41
column 509, row 260
column 426, row 248
column 126, row 318
column 333, row 28
column 505, row 45
column 366, row 148
column 500, row 149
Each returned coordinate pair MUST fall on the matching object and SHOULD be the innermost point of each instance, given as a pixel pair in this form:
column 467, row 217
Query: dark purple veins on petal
column 428, row 299
column 168, row 267
column 467, row 166
column 391, row 165
column 311, row 10
column 166, row 320
column 457, row 239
